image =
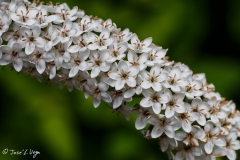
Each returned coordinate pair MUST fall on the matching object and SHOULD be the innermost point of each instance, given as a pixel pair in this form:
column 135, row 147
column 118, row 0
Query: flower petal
column 95, row 72
column 117, row 102
column 96, row 102
column 73, row 72
column 157, row 86
column 140, row 123
column 146, row 84
column 30, row 47
column 40, row 66
column 156, row 108
column 168, row 130
column 131, row 82
column 145, row 102
column 169, row 112
column 157, row 131
column 18, row 64
column 113, row 75
column 186, row 125
column 119, row 84
column 208, row 147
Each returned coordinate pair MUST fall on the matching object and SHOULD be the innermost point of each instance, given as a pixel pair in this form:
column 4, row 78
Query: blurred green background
column 62, row 125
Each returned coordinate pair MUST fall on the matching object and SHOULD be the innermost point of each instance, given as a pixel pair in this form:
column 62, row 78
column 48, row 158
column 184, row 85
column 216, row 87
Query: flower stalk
column 178, row 108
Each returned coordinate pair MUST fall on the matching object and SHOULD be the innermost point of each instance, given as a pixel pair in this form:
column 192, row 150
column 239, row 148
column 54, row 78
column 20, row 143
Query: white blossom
column 175, row 81
column 117, row 52
column 31, row 39
column 102, row 41
column 162, row 125
column 155, row 56
column 138, row 46
column 154, row 78
column 24, row 16
column 212, row 137
column 232, row 144
column 13, row 55
column 98, row 91
column 174, row 106
column 98, row 63
column 80, row 43
column 77, row 62
column 154, row 99
column 124, row 75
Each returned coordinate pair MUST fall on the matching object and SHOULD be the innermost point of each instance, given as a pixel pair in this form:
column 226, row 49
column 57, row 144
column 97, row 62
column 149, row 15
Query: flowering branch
column 177, row 107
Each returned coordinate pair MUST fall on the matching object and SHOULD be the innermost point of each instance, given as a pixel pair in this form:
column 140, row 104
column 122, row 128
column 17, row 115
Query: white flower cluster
column 177, row 107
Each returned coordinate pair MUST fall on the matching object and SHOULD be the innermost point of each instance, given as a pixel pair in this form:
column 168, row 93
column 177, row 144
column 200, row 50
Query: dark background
column 62, row 125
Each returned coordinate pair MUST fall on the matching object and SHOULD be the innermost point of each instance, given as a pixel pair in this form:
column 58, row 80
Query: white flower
column 43, row 19
column 83, row 78
column 102, row 41
column 124, row 75
column 175, row 104
column 13, row 55
column 64, row 12
column 86, row 24
column 122, row 36
column 24, row 16
column 155, row 56
column 232, row 144
column 14, row 36
column 32, row 39
column 237, row 128
column 234, row 114
column 215, row 112
column 98, row 91
column 132, row 90
column 4, row 22
column 106, row 78
column 138, row 46
column 61, row 54
column 154, row 78
column 77, row 62
column 143, row 117
column 212, row 137
column 107, row 24
column 185, row 71
column 134, row 60
column 225, row 126
column 117, row 52
column 98, row 63
column 191, row 138
column 39, row 58
column 166, row 142
column 175, row 81
column 217, row 152
column 193, row 89
column 49, row 35
column 201, row 108
column 186, row 120
column 162, row 125
column 80, row 43
column 118, row 98
column 188, row 152
column 65, row 32
column 51, row 70
column 154, row 99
